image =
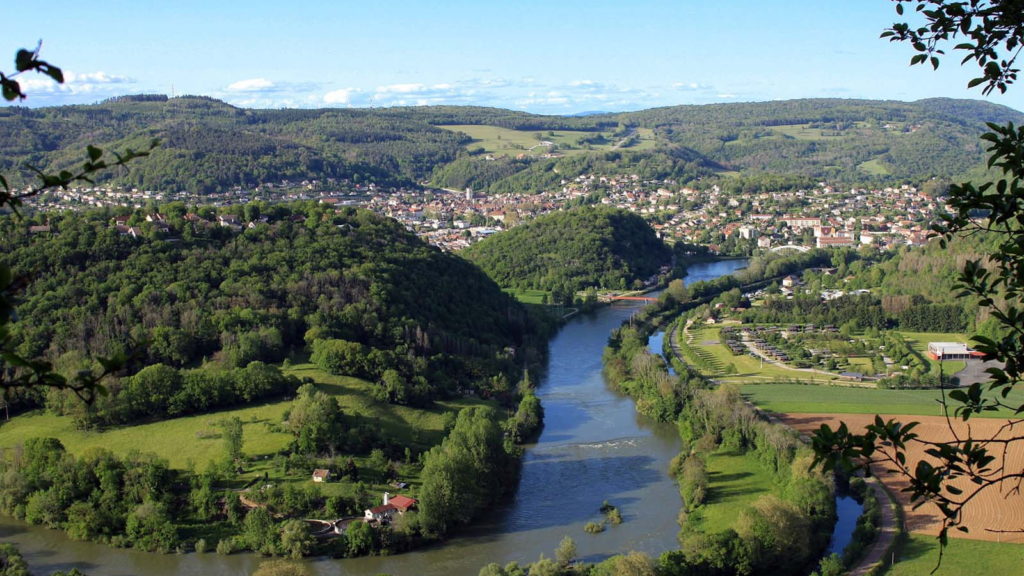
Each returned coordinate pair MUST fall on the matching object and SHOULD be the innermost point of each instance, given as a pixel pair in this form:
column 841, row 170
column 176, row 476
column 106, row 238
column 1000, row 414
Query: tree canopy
column 564, row 252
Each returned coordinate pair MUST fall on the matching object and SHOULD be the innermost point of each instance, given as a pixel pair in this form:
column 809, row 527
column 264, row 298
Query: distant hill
column 209, row 146
column 564, row 252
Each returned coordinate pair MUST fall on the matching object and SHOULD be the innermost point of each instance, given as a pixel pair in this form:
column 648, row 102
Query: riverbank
column 592, row 437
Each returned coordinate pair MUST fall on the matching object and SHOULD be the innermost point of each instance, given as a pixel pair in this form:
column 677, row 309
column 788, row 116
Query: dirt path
column 887, row 532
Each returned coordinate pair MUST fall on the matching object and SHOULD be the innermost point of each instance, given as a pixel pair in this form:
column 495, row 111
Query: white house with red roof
column 386, row 511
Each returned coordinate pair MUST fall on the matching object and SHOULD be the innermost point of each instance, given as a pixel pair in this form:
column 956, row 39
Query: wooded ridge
column 209, row 146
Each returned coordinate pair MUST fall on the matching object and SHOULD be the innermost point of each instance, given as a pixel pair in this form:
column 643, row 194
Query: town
column 823, row 217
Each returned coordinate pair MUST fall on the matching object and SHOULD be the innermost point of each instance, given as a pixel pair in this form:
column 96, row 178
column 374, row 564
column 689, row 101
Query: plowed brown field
column 997, row 508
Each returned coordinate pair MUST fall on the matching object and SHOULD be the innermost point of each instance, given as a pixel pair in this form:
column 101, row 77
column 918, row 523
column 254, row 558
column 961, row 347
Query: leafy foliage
column 307, row 274
column 470, row 470
column 993, row 32
column 565, row 252
column 19, row 372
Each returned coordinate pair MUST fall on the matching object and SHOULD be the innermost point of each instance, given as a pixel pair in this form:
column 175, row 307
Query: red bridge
column 636, row 298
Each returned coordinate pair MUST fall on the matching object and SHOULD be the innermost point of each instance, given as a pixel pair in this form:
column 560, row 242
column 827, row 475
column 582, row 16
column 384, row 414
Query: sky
column 541, row 56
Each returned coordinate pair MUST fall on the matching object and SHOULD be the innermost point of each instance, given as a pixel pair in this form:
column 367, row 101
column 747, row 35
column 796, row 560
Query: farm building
column 951, row 351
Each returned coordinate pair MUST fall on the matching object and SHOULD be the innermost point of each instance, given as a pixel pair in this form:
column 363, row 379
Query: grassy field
column 528, row 296
column 796, row 398
column 507, row 142
column 735, row 482
column 921, row 553
column 196, row 439
column 874, row 167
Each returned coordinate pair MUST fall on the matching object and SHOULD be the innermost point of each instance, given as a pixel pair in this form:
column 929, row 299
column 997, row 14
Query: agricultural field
column 182, row 441
column 790, row 398
column 874, row 167
column 994, row 509
column 804, row 132
column 507, row 142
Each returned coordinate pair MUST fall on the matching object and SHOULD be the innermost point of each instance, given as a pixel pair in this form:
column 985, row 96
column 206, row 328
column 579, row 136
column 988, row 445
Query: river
column 594, row 447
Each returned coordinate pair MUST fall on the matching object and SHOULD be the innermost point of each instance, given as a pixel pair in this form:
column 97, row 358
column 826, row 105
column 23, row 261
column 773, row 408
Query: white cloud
column 74, row 83
column 342, row 96
column 401, row 88
column 99, row 78
column 251, row 85
column 689, row 86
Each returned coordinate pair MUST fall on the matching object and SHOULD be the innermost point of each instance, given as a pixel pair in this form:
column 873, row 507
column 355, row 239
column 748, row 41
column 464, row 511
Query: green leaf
column 24, row 60
column 94, row 152
column 54, row 72
column 12, row 90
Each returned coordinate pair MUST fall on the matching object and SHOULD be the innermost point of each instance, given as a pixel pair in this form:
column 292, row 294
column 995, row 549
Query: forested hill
column 209, row 146
column 354, row 286
column 564, row 252
column 833, row 138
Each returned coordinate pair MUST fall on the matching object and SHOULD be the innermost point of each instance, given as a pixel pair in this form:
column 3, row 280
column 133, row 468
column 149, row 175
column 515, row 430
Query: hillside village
column 823, row 217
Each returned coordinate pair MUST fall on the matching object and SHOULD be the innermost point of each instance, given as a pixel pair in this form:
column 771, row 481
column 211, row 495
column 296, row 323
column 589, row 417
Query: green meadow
column 735, row 482
column 528, row 296
column 874, row 167
column 196, row 440
column 919, row 556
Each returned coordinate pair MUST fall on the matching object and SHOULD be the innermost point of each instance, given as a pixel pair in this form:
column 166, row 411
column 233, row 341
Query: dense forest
column 364, row 294
column 565, row 252
column 209, row 146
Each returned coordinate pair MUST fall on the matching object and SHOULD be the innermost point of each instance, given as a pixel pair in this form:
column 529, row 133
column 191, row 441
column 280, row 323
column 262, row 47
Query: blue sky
column 544, row 56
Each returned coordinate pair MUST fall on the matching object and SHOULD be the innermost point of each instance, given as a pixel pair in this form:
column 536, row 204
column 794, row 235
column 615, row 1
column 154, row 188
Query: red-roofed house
column 386, row 511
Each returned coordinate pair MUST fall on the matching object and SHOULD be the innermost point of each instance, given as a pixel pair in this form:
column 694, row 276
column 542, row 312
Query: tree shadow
column 6, row 531
column 567, row 491
column 915, row 548
column 721, row 477
column 561, row 417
